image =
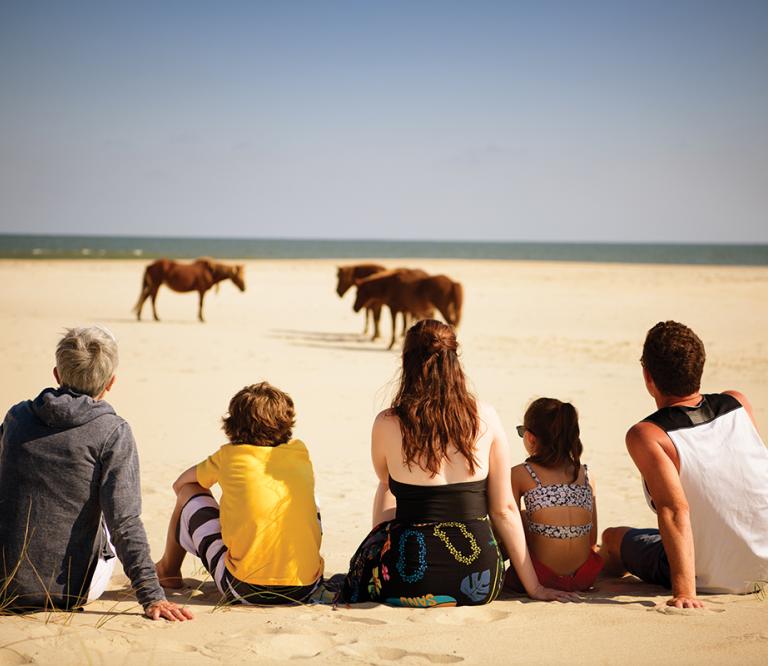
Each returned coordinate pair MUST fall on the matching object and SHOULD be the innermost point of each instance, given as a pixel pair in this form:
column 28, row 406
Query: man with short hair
column 69, row 489
column 705, row 474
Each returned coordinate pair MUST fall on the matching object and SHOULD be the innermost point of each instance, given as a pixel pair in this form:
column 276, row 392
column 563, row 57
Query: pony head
column 238, row 276
column 344, row 276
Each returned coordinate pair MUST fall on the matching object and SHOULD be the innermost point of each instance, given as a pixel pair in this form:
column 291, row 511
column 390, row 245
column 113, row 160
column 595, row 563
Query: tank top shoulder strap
column 586, row 475
column 532, row 473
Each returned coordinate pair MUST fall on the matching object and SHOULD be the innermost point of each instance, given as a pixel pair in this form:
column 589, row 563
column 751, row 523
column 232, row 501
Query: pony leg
column 153, row 294
column 200, row 309
column 394, row 319
column 140, row 305
column 376, row 310
column 365, row 329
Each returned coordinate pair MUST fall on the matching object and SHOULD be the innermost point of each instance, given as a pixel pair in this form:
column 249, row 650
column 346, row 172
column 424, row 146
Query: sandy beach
column 567, row 330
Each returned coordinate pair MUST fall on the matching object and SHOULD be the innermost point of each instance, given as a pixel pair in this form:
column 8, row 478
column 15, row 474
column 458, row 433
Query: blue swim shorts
column 644, row 556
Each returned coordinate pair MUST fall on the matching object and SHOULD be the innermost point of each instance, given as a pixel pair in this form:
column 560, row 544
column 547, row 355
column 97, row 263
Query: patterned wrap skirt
column 425, row 565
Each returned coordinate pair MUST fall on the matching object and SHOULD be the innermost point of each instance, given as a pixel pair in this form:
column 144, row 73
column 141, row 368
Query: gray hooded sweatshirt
column 68, row 464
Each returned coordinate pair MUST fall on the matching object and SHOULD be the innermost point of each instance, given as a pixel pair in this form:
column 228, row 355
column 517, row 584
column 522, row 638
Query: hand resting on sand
column 168, row 611
column 542, row 593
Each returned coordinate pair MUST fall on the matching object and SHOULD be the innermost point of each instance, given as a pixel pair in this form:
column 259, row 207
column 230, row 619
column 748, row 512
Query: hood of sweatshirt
column 63, row 408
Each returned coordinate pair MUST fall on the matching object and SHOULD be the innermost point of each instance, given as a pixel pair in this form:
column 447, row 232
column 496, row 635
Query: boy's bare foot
column 169, row 579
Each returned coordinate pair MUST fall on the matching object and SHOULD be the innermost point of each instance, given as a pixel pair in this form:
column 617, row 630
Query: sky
column 618, row 121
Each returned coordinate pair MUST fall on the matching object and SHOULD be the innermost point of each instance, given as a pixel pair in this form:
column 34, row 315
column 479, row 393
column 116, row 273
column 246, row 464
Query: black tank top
column 433, row 504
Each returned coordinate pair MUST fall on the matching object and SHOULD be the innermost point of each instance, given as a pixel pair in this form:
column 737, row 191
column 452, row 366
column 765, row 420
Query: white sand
column 572, row 331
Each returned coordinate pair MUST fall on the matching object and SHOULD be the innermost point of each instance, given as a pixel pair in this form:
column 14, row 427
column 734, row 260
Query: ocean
column 16, row 246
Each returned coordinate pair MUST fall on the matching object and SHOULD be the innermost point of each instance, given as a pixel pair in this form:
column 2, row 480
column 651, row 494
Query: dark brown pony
column 346, row 278
column 395, row 290
column 198, row 276
column 445, row 294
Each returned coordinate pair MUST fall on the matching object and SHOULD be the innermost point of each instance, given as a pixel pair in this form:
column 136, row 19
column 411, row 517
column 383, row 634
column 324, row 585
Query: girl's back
column 560, row 514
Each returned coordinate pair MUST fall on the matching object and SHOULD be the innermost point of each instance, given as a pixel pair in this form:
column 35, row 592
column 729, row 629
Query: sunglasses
column 521, row 430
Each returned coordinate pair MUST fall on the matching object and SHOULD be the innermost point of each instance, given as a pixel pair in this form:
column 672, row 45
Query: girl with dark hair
column 443, row 461
column 560, row 508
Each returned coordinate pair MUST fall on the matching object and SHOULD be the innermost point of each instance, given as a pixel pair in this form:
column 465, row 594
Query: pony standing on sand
column 394, row 289
column 557, row 490
column 198, row 276
column 347, row 277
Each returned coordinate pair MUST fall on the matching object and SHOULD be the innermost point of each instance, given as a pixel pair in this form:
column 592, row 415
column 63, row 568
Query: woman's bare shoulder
column 487, row 412
column 386, row 415
column 489, row 417
column 386, row 420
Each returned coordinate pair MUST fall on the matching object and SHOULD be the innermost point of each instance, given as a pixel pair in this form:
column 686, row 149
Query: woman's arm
column 384, row 503
column 505, row 515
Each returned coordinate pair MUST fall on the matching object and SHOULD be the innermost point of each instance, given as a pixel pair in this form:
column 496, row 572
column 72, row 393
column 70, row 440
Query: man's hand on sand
column 168, row 611
column 685, row 602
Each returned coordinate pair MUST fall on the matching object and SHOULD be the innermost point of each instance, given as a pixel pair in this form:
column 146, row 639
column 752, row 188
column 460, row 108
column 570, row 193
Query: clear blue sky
column 610, row 121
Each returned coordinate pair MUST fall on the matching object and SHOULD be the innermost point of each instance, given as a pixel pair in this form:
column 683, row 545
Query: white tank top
column 724, row 474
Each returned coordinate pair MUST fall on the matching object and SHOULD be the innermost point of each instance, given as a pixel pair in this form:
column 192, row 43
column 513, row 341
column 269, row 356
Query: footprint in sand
column 460, row 616
column 180, row 647
column 272, row 646
column 361, row 620
column 373, row 652
column 12, row 658
column 749, row 638
column 697, row 612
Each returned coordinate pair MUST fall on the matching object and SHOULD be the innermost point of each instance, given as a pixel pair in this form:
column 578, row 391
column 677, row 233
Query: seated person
column 262, row 547
column 70, row 489
column 559, row 496
column 442, row 460
column 705, row 474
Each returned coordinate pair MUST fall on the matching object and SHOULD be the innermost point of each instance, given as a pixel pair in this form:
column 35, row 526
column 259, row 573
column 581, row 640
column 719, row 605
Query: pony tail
column 567, row 434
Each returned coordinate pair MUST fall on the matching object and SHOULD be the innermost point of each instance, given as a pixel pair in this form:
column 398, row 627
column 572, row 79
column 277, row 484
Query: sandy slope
column 572, row 331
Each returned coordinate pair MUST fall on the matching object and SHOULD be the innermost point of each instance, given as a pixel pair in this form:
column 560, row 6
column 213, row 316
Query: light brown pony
column 346, row 278
column 445, row 294
column 395, row 290
column 198, row 276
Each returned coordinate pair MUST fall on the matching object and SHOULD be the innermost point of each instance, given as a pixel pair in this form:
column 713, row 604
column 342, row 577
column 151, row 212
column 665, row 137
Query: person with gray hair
column 70, row 496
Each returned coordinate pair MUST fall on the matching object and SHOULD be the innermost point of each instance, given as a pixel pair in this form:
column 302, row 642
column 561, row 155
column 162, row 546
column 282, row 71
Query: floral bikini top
column 577, row 495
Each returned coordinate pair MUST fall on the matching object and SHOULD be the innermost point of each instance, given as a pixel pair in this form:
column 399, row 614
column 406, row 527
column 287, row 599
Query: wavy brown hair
column 435, row 409
column 556, row 427
column 261, row 415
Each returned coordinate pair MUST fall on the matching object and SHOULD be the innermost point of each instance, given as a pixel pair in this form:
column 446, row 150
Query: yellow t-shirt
column 269, row 517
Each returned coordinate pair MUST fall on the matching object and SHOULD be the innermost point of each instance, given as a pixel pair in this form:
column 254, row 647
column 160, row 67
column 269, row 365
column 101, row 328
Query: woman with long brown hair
column 443, row 462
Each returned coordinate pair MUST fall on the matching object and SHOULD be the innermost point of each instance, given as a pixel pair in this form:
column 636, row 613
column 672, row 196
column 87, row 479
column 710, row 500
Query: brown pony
column 445, row 294
column 198, row 276
column 346, row 278
column 395, row 290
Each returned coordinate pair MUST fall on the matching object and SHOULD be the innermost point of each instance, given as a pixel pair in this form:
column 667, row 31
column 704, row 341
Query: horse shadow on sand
column 327, row 340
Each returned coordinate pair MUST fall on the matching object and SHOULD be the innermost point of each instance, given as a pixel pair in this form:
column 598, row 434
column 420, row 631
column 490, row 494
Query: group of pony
column 410, row 292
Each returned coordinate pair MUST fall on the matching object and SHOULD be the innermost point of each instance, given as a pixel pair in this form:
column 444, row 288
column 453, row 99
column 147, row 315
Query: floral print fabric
column 577, row 495
column 426, row 565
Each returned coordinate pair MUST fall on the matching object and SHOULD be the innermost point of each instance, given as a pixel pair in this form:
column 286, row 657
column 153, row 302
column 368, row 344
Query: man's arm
column 744, row 403
column 663, row 482
column 120, row 496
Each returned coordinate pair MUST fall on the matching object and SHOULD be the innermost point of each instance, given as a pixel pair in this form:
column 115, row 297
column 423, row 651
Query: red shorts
column 580, row 580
